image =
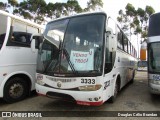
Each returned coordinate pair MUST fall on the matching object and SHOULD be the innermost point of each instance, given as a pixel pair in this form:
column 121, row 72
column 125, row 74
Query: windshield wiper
column 69, row 61
column 93, row 71
column 58, row 62
column 50, row 63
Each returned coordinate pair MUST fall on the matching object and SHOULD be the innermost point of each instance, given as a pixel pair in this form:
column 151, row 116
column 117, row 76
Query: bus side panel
column 14, row 59
column 108, row 86
column 121, row 66
column 12, row 73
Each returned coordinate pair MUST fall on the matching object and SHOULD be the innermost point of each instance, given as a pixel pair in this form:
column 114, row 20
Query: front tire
column 16, row 89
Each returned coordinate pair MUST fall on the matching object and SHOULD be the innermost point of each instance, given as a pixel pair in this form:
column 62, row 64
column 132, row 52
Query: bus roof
column 19, row 18
column 77, row 15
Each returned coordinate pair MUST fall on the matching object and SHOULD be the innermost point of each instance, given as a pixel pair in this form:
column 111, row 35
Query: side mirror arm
column 34, row 38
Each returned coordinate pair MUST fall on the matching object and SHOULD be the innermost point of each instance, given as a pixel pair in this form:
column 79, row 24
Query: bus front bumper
column 154, row 88
column 90, row 98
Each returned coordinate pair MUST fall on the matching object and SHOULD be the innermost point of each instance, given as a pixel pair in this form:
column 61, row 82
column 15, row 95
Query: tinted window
column 125, row 43
column 129, row 47
column 3, row 27
column 120, row 39
column 154, row 57
column 21, row 34
column 154, row 25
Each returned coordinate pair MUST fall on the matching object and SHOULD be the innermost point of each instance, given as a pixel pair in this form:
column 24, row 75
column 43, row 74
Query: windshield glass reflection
column 73, row 46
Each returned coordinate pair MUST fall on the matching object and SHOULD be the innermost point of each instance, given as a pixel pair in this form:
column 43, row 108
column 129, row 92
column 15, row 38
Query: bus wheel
column 16, row 89
column 116, row 89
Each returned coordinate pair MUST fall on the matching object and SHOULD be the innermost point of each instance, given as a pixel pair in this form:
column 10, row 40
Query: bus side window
column 21, row 38
column 20, row 34
column 3, row 27
column 120, row 39
column 110, row 56
column 108, row 60
column 125, row 43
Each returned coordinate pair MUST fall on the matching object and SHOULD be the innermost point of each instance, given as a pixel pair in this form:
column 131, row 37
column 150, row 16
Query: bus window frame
column 12, row 42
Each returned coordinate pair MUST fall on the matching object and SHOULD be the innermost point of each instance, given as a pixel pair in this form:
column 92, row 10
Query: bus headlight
column 155, row 82
column 90, row 87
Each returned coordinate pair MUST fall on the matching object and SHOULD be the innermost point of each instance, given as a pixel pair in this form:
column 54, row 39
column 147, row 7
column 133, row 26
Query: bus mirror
column 33, row 44
column 111, row 40
column 112, row 44
column 37, row 40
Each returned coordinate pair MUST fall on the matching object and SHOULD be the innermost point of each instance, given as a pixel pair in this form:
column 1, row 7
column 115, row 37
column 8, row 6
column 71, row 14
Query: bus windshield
column 3, row 24
column 154, row 57
column 73, row 45
column 154, row 24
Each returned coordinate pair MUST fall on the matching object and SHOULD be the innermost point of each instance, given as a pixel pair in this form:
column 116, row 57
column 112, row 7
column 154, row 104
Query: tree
column 120, row 18
column 148, row 12
column 50, row 8
column 72, row 7
column 141, row 14
column 130, row 10
column 94, row 5
column 3, row 6
column 33, row 9
column 135, row 19
column 63, row 9
column 22, row 10
column 144, row 17
column 56, row 10
column 130, row 14
column 138, row 31
column 13, row 3
column 38, row 10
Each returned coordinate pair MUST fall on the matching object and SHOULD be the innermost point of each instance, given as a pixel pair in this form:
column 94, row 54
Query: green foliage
column 149, row 10
column 13, row 2
column 135, row 21
column 38, row 10
column 140, row 12
column 130, row 10
column 73, row 5
column 144, row 34
column 94, row 5
column 138, row 30
column 3, row 6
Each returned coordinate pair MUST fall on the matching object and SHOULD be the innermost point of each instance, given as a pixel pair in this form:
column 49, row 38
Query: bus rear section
column 79, row 60
column 17, row 61
column 153, row 45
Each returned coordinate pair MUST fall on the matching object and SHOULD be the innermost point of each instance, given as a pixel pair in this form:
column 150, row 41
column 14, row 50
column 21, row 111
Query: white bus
column 85, row 58
column 153, row 46
column 17, row 61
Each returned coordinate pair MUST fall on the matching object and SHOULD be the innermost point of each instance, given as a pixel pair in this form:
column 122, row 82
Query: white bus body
column 85, row 61
column 153, row 46
column 17, row 61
